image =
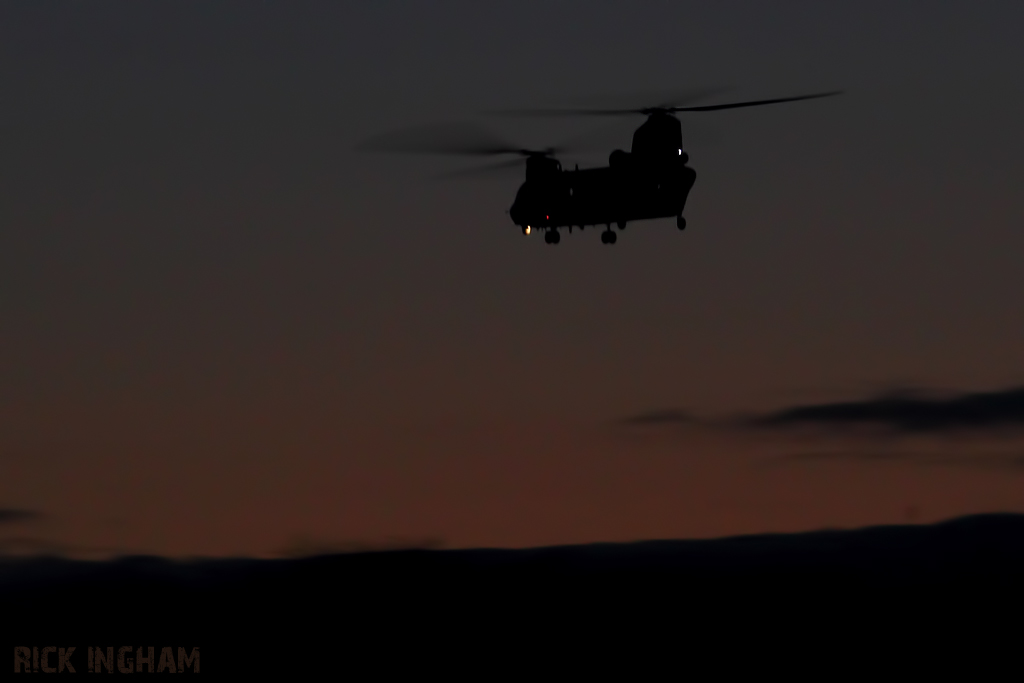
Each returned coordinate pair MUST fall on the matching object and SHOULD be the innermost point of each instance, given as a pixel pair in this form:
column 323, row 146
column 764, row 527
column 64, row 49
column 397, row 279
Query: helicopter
column 650, row 181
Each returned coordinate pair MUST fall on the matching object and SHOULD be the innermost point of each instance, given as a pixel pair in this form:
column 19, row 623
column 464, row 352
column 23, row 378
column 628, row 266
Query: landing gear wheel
column 680, row 222
column 608, row 237
column 552, row 237
column 622, row 225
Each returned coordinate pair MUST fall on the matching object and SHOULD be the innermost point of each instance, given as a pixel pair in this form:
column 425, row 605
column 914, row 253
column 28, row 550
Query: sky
column 224, row 330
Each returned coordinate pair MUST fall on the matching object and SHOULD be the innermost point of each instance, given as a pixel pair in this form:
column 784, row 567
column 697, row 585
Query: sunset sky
column 224, row 331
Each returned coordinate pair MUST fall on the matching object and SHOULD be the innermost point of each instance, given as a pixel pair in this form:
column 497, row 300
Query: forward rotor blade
column 562, row 112
column 453, row 139
column 486, row 169
column 752, row 103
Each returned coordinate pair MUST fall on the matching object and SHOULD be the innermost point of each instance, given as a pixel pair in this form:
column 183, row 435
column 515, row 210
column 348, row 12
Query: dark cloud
column 14, row 515
column 1009, row 460
column 908, row 413
column 658, row 417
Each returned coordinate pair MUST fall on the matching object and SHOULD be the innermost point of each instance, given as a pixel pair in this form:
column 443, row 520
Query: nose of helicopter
column 529, row 221
column 516, row 214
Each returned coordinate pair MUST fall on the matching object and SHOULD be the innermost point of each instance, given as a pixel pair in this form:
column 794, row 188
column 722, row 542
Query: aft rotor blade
column 619, row 105
column 752, row 103
column 673, row 108
column 650, row 99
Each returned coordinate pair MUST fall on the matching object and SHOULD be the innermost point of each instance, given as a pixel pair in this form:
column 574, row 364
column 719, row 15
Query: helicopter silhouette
column 650, row 181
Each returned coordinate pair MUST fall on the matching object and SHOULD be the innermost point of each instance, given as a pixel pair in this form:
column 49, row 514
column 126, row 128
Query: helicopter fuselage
column 652, row 181
column 626, row 190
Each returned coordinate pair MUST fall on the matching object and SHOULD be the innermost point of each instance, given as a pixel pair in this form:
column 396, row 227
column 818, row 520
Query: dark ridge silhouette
column 658, row 417
column 996, row 410
column 851, row 598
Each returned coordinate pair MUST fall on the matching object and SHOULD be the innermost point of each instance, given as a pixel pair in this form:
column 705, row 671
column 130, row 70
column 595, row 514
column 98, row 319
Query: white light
column 680, row 151
column 527, row 229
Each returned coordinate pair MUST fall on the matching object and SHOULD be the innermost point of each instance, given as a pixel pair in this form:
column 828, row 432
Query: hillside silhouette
column 849, row 597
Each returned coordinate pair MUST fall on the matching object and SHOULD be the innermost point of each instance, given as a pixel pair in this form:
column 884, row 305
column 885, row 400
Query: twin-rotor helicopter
column 652, row 180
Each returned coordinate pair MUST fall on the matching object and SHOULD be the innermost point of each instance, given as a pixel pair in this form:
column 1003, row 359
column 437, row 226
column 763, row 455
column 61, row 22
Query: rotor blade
column 752, row 103
column 562, row 112
column 639, row 100
column 617, row 105
column 486, row 169
column 668, row 107
column 447, row 138
column 452, row 139
column 690, row 96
